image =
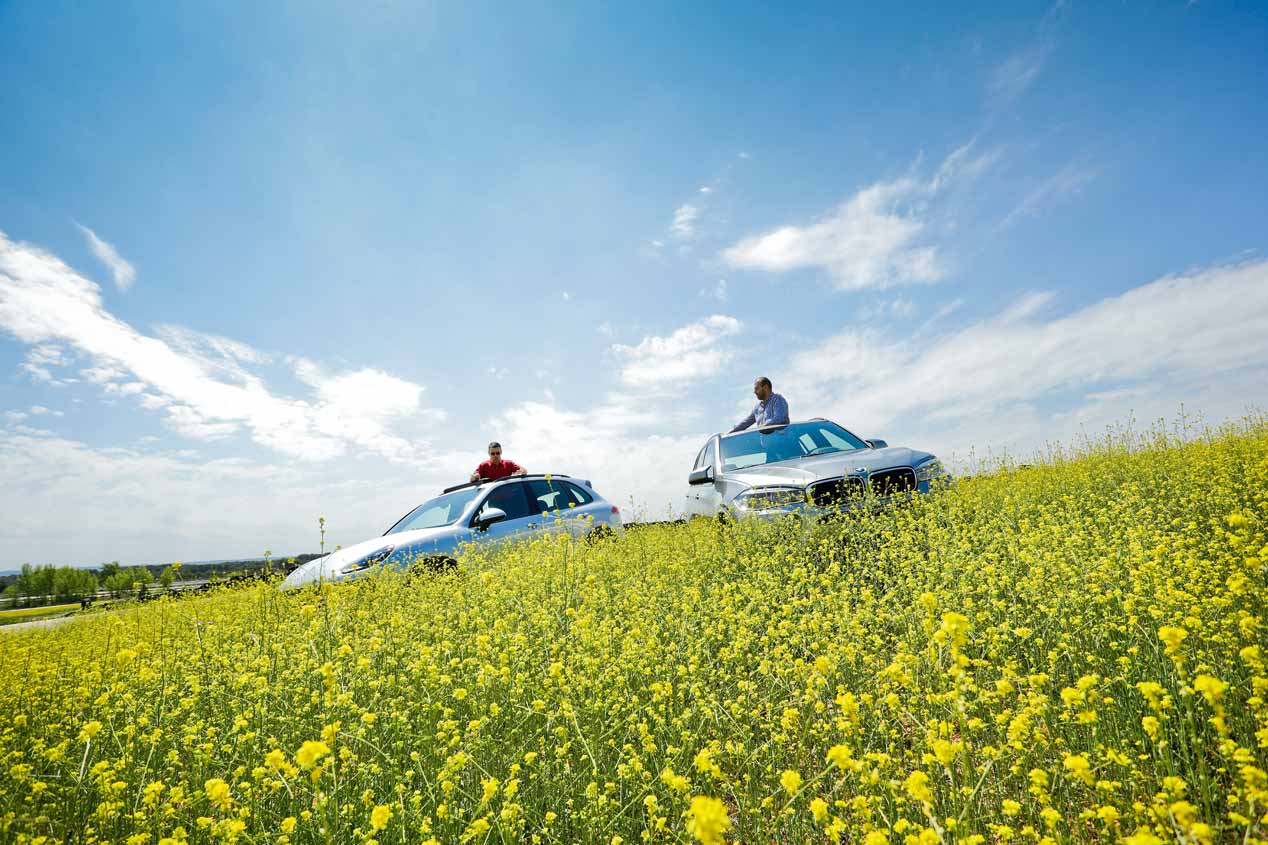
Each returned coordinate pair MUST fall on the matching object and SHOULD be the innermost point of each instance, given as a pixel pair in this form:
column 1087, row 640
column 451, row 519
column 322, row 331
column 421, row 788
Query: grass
column 30, row 614
column 1073, row 652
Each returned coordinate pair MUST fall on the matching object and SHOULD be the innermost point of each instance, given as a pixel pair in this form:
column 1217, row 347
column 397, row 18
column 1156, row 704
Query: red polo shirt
column 493, row 471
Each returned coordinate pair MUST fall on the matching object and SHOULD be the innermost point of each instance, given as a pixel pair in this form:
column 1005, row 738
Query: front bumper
column 808, row 513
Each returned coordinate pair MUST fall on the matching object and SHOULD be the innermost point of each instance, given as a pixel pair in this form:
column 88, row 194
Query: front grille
column 892, row 482
column 836, row 492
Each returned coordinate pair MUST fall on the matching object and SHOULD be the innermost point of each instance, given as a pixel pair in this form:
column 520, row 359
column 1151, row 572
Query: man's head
column 495, row 452
column 762, row 389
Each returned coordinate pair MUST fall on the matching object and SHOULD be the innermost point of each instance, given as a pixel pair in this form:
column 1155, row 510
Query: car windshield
column 442, row 510
column 799, row 440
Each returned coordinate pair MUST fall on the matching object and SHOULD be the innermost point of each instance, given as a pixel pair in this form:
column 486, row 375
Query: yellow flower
column 1010, row 807
column 819, row 809
column 1078, row 766
column 917, row 786
column 790, row 781
column 310, row 752
column 288, row 824
column 1142, row 836
column 1212, row 689
column 218, row 793
column 379, row 817
column 839, row 756
column 708, row 820
column 1172, row 637
column 876, row 837
column 89, row 730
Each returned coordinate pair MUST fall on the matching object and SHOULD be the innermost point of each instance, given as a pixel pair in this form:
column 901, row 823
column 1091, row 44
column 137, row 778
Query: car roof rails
column 509, row 477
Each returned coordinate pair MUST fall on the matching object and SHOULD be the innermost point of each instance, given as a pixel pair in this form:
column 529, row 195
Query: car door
column 520, row 523
column 563, row 506
column 703, row 499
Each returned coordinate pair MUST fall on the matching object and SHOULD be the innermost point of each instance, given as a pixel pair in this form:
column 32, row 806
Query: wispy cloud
column 684, row 223
column 1067, row 181
column 875, row 239
column 122, row 271
column 1018, row 72
column 692, row 352
column 1195, row 328
column 201, row 382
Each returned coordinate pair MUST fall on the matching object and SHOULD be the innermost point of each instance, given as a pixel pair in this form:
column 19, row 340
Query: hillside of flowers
column 1070, row 652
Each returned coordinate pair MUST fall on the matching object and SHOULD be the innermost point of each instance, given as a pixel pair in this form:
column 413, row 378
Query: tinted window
column 699, row 464
column 799, row 440
column 442, row 510
column 710, row 453
column 510, row 498
column 556, row 495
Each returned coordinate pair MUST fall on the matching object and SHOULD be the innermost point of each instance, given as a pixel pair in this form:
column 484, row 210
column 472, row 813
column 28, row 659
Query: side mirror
column 876, row 444
column 488, row 516
column 701, row 476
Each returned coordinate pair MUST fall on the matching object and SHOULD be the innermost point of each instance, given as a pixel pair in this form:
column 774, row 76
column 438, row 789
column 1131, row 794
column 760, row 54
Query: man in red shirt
column 495, row 468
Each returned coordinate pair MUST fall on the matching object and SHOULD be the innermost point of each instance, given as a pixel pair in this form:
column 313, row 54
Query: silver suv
column 808, row 468
column 434, row 534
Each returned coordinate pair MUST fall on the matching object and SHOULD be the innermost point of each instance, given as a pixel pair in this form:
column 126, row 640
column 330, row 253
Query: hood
column 331, row 567
column 803, row 471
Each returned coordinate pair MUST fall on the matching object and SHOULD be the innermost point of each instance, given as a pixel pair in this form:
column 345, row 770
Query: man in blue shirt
column 772, row 409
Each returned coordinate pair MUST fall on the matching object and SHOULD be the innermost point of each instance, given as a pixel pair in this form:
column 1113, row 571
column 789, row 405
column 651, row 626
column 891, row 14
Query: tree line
column 49, row 584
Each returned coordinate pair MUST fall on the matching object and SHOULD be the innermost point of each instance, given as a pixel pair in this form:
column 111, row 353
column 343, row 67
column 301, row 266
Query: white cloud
column 499, row 373
column 15, row 416
column 145, row 507
column 691, row 352
column 718, row 291
column 123, row 273
column 1067, row 181
column 1018, row 72
column 41, row 411
column 684, row 225
column 605, row 329
column 639, row 471
column 202, row 379
column 1181, row 335
column 875, row 239
column 567, row 296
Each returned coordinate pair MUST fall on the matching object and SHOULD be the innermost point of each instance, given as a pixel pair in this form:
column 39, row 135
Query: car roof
column 769, row 428
column 485, row 482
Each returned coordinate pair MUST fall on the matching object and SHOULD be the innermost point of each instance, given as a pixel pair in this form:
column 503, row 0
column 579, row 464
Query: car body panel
column 719, row 496
column 448, row 542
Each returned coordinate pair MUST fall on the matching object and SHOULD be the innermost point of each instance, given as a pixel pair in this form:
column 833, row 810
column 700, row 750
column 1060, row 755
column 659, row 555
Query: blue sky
column 264, row 264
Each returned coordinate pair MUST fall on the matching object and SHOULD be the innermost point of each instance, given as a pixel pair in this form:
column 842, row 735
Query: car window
column 553, row 494
column 699, row 464
column 443, row 510
column 710, row 453
column 510, row 498
column 799, row 440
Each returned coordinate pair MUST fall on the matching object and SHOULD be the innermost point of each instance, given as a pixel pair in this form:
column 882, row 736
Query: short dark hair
column 764, row 380
column 494, row 443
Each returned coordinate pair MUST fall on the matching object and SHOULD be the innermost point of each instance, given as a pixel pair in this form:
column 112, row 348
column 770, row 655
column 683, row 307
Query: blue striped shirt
column 774, row 411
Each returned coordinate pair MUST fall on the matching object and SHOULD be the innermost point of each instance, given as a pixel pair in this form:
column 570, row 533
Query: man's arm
column 777, row 411
column 746, row 422
column 519, row 470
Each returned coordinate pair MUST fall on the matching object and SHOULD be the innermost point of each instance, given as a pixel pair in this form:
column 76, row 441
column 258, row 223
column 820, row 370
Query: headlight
column 369, row 560
column 766, row 498
column 930, row 470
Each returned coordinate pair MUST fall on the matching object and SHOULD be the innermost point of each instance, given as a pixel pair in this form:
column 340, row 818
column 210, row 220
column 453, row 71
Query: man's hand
column 521, row 471
column 475, row 476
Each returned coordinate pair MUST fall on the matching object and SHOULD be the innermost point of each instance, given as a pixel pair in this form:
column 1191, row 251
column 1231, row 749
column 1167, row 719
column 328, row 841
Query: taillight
column 616, row 511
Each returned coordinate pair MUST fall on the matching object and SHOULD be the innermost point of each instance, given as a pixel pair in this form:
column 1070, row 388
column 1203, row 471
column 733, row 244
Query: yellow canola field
column 1068, row 653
